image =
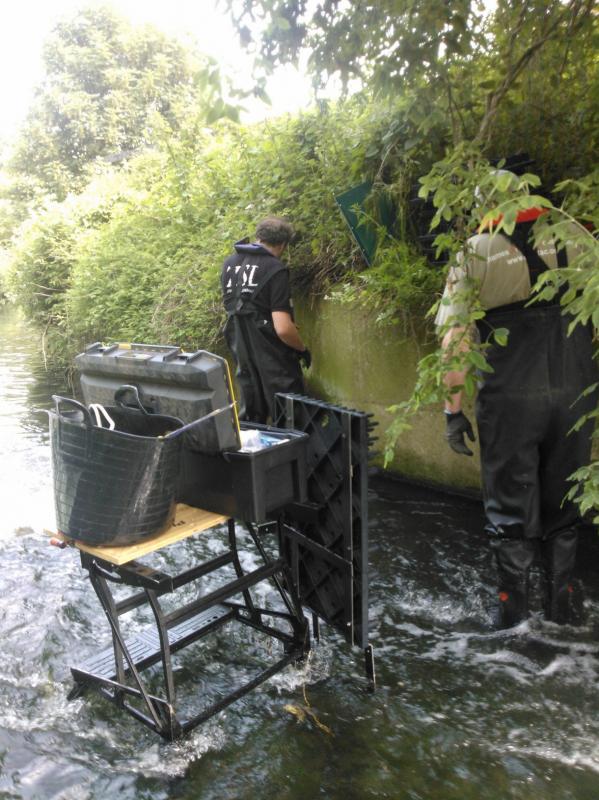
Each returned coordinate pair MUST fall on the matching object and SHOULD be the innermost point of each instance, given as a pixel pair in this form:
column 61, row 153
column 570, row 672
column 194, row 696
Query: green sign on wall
column 351, row 204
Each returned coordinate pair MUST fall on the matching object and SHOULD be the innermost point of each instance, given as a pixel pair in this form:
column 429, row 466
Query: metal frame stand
column 116, row 672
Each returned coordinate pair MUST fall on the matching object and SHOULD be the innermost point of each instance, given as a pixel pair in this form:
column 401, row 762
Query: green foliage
column 552, row 107
column 145, row 263
column 143, row 275
column 397, row 288
column 40, row 265
column 386, row 41
column 107, row 87
column 466, row 63
column 3, row 273
column 45, row 255
column 585, row 489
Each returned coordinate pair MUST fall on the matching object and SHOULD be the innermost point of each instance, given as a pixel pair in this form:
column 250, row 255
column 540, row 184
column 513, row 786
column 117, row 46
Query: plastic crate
column 249, row 486
column 168, row 381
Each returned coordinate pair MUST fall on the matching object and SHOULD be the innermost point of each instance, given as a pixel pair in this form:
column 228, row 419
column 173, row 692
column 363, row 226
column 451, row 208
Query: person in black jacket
column 260, row 329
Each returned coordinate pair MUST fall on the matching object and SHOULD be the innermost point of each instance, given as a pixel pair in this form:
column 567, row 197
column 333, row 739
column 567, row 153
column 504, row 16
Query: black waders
column 526, row 410
column 563, row 599
column 514, row 556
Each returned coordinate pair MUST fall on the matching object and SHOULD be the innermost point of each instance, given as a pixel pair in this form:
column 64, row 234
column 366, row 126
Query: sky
column 27, row 23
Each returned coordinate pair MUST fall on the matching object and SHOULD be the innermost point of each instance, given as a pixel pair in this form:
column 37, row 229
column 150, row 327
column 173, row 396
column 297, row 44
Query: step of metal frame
column 145, row 647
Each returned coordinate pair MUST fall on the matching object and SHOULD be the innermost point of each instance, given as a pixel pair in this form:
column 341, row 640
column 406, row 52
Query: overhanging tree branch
column 576, row 11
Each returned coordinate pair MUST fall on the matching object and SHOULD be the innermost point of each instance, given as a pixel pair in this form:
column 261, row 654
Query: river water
column 460, row 712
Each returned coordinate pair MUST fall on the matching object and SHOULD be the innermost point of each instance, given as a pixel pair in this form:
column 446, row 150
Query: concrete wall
column 360, row 365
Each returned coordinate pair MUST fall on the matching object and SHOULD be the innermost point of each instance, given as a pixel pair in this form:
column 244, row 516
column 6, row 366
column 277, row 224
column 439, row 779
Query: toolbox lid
column 169, row 381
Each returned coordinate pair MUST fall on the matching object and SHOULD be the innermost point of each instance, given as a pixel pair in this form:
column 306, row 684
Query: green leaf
column 479, row 361
column 501, row 336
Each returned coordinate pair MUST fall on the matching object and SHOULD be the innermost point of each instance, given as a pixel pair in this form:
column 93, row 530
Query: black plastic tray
column 247, row 486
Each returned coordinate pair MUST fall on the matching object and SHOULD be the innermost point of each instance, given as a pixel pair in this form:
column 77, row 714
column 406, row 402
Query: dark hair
column 275, row 230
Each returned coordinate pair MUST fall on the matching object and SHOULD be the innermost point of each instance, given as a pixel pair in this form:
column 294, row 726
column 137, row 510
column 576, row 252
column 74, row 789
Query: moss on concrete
column 360, row 365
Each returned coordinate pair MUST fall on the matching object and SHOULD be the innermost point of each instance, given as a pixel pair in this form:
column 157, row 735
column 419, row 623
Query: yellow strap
column 232, row 395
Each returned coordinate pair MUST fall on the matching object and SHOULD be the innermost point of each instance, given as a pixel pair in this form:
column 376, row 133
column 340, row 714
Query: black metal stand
column 116, row 672
column 369, row 666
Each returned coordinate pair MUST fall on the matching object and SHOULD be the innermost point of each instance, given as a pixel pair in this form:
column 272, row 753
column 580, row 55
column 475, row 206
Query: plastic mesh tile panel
column 329, row 558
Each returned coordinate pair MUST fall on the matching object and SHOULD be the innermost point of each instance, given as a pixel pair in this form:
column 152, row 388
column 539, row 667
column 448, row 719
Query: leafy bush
column 399, row 286
column 138, row 254
column 43, row 260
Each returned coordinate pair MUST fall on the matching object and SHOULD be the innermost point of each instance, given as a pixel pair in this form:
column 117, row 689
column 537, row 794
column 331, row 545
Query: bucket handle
column 190, row 425
column 99, row 411
column 58, row 400
column 122, row 390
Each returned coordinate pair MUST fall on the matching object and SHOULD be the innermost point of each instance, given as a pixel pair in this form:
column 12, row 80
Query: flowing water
column 460, row 712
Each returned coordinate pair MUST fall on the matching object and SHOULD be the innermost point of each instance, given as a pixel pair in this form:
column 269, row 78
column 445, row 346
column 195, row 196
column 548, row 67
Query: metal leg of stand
column 105, row 598
column 165, row 648
column 239, row 571
column 108, row 603
column 369, row 665
column 294, row 607
column 316, row 627
column 267, row 560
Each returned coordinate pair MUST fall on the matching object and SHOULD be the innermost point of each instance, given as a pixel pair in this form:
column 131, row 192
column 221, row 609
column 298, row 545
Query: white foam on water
column 585, row 755
column 315, row 667
column 506, row 657
column 412, row 599
column 173, row 759
column 456, row 647
column 413, row 630
column 574, row 669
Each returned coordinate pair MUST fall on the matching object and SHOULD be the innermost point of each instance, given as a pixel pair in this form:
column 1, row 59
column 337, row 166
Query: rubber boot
column 514, row 558
column 563, row 600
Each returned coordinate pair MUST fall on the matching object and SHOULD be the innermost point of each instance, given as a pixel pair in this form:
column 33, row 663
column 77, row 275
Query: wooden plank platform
column 188, row 520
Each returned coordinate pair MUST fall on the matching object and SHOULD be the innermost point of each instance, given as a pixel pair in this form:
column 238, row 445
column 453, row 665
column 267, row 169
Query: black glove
column 305, row 358
column 458, row 424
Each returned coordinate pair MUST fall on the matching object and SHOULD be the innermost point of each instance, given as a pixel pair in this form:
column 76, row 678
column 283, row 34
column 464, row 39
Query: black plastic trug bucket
column 113, row 487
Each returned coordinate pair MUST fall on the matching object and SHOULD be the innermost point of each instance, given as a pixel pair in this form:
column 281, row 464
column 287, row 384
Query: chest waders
column 525, row 411
column 265, row 365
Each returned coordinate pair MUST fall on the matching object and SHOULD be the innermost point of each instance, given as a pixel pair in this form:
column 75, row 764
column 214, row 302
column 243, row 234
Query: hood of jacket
column 251, row 248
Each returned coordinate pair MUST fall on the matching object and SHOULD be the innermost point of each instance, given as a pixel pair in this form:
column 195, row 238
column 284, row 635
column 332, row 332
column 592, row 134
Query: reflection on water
column 25, row 390
column 460, row 712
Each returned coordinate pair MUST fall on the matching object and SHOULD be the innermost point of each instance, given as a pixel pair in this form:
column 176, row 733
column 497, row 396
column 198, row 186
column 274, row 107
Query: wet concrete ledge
column 378, row 475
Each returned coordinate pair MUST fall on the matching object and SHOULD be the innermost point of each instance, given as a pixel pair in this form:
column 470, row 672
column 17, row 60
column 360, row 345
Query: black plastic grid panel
column 329, row 557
